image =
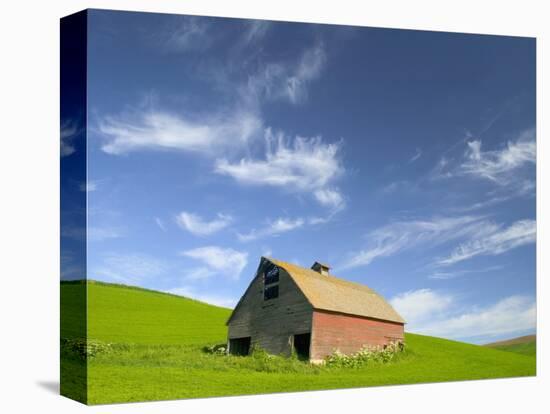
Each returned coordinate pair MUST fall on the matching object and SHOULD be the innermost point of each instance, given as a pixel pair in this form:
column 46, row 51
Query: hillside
column 158, row 354
column 526, row 345
column 127, row 314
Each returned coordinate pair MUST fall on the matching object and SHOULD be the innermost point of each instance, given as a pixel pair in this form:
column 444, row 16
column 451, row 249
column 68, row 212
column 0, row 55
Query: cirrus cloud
column 499, row 166
column 196, row 225
column 495, row 242
column 302, row 165
column 273, row 228
column 225, row 261
column 162, row 130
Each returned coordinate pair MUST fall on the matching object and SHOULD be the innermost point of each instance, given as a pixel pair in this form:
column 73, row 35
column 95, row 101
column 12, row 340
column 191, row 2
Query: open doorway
column 301, row 345
column 239, row 346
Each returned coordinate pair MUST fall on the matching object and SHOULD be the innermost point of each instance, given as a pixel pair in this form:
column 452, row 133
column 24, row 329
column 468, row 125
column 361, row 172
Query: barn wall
column 349, row 333
column 271, row 324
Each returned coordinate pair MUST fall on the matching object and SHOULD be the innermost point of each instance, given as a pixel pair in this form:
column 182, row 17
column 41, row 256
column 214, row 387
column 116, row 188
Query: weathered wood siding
column 272, row 323
column 349, row 333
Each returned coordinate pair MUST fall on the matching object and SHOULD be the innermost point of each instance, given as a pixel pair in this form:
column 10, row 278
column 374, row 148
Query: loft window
column 271, row 292
column 271, row 275
column 271, row 282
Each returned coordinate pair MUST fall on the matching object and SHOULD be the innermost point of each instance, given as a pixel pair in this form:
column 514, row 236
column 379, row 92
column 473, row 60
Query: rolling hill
column 525, row 345
column 157, row 353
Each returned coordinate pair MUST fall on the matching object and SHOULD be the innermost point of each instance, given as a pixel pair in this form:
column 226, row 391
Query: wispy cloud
column 199, row 273
column 434, row 313
column 97, row 234
column 495, row 241
column 403, row 235
column 198, row 226
column 186, row 33
column 129, row 268
column 507, row 167
column 224, row 261
column 330, row 198
column 273, row 228
column 255, row 31
column 160, row 223
column 287, row 81
column 69, row 130
column 416, row 155
column 301, row 165
column 457, row 273
column 500, row 166
column 161, row 130
column 481, row 204
column 481, row 237
column 89, row 186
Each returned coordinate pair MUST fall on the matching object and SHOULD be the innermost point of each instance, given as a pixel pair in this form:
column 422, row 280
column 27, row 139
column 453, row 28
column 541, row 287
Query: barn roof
column 327, row 292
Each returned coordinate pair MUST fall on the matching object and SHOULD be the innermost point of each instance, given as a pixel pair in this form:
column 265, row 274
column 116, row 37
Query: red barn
column 287, row 307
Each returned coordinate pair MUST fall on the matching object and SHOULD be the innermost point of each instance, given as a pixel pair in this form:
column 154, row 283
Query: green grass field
column 525, row 345
column 157, row 355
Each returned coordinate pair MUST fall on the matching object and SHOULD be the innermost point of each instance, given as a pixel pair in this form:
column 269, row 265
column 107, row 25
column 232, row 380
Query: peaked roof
column 326, row 292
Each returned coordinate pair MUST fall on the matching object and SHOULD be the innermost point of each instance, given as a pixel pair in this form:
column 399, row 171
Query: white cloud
column 199, row 273
column 418, row 305
column 305, row 165
column 399, row 236
column 500, row 166
column 442, row 169
column 314, row 220
column 309, row 68
column 160, row 223
column 69, row 130
column 330, row 198
column 196, row 225
column 89, row 186
column 273, row 228
column 434, row 313
column 290, row 82
column 189, row 33
column 213, row 299
column 416, row 155
column 160, row 130
column 456, row 273
column 482, row 238
column 496, row 241
column 255, row 31
column 98, row 234
column 131, row 268
column 225, row 261
column 74, row 232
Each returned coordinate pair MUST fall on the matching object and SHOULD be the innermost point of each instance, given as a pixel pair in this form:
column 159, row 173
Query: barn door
column 239, row 346
column 301, row 345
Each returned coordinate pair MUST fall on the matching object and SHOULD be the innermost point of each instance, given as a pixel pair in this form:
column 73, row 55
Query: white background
column 29, row 203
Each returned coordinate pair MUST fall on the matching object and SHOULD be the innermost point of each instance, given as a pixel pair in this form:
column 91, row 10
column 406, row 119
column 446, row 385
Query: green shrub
column 83, row 349
column 365, row 355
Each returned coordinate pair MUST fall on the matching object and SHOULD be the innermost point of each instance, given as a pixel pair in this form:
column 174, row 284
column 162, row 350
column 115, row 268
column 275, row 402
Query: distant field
column 525, row 345
column 158, row 355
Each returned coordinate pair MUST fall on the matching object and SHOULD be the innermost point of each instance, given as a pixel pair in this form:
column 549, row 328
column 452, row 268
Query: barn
column 290, row 308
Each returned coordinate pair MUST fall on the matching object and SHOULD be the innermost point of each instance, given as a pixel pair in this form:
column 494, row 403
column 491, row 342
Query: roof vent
column 321, row 268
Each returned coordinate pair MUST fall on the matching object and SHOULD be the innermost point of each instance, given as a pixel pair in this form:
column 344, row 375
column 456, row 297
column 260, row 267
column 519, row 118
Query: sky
column 403, row 159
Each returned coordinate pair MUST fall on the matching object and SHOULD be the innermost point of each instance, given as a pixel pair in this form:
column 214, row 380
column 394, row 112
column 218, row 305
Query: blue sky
column 404, row 159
